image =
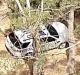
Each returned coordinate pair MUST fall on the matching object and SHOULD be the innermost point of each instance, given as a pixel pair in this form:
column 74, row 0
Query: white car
column 20, row 43
column 54, row 35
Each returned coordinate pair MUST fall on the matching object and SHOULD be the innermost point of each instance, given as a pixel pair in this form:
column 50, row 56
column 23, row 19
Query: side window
column 14, row 40
column 25, row 45
column 52, row 31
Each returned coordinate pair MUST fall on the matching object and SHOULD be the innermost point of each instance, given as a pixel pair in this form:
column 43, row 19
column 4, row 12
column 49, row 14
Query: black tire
column 66, row 44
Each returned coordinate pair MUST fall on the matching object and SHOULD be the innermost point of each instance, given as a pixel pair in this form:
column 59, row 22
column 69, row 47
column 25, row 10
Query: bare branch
column 20, row 7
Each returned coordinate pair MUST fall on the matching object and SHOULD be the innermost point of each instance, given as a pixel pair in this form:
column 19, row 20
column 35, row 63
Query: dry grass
column 11, row 66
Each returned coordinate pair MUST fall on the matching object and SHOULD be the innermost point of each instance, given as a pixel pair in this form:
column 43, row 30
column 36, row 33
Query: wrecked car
column 54, row 35
column 20, row 43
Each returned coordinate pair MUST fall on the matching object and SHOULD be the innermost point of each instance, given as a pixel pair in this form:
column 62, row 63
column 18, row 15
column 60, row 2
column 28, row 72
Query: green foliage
column 50, row 3
column 35, row 3
column 18, row 22
column 12, row 6
column 38, row 17
column 70, row 2
column 23, row 3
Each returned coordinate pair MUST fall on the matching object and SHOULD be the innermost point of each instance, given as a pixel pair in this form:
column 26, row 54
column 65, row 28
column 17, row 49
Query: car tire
column 63, row 45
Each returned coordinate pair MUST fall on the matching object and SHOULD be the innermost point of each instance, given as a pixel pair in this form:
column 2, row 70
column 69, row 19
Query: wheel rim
column 62, row 45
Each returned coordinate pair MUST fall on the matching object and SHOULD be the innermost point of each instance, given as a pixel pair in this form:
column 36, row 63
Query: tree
column 72, row 51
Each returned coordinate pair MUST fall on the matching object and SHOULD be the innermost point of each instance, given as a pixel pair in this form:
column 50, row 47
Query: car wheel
column 63, row 45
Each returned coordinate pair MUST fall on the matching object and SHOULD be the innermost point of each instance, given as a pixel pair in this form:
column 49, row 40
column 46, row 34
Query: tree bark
column 72, row 51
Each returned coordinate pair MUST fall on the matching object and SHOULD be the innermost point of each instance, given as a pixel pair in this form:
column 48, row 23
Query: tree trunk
column 28, row 6
column 28, row 3
column 41, row 5
column 30, row 65
column 20, row 7
column 71, row 51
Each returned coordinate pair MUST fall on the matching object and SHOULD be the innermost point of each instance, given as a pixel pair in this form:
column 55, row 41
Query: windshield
column 14, row 39
column 52, row 31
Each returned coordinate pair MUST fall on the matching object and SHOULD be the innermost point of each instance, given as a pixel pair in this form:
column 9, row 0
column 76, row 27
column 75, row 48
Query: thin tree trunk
column 28, row 3
column 28, row 6
column 41, row 5
column 72, row 51
column 20, row 7
column 21, row 10
column 30, row 65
